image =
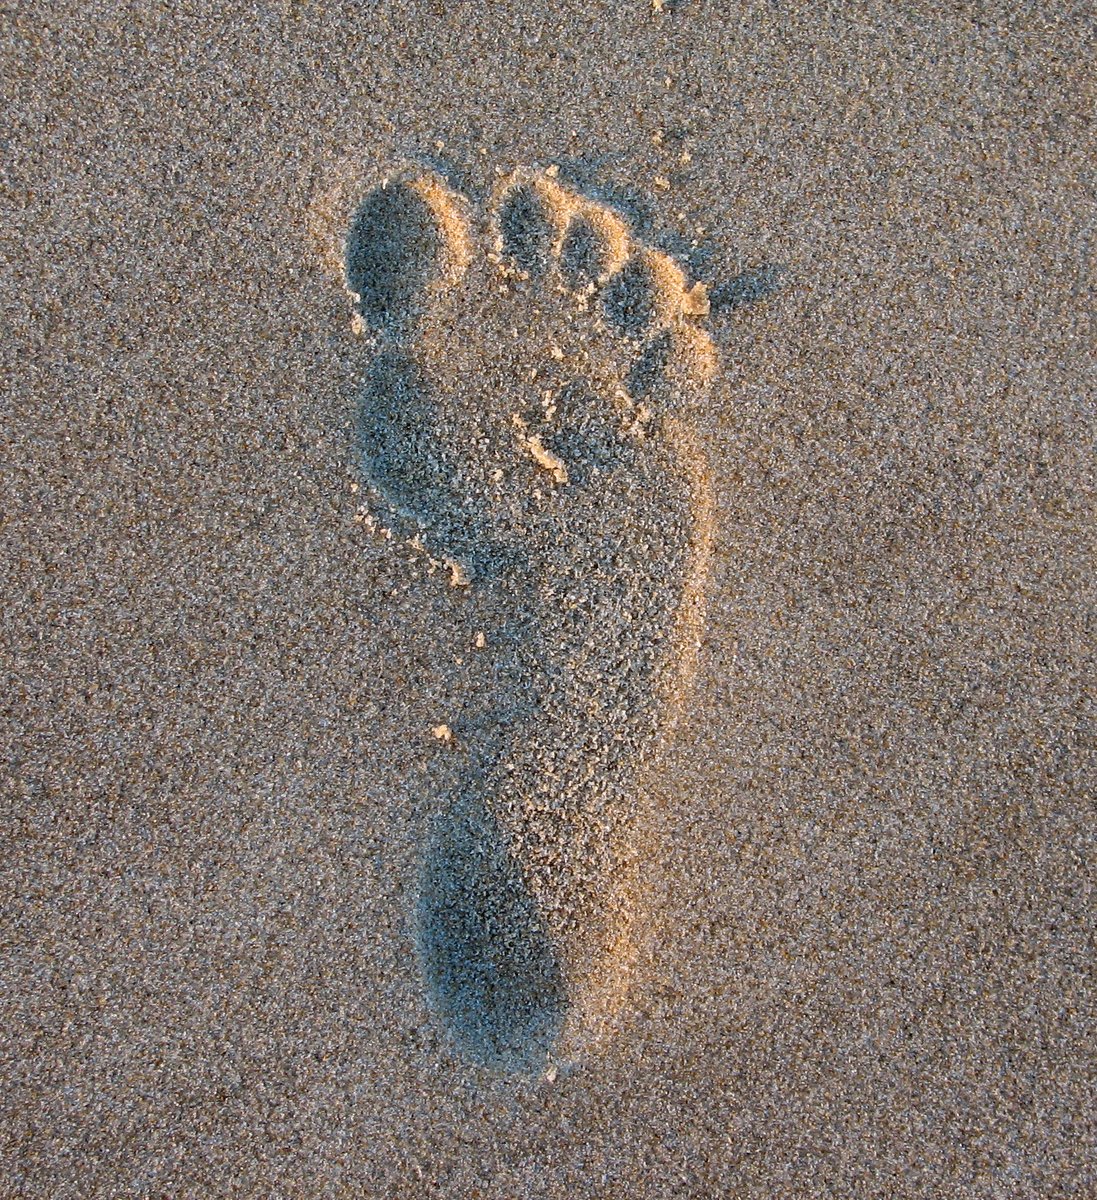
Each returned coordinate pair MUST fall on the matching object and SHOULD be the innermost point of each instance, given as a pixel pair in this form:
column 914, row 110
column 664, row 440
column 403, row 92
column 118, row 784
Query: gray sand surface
column 866, row 931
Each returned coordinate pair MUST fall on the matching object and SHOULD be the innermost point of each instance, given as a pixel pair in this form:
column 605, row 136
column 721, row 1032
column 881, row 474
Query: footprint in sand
column 523, row 421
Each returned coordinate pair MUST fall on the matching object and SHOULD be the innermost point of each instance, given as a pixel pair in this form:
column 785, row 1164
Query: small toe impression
column 630, row 299
column 490, row 967
column 647, row 371
column 525, row 230
column 394, row 250
column 583, row 256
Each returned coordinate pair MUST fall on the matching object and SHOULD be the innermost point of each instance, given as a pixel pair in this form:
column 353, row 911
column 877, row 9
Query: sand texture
column 549, row 619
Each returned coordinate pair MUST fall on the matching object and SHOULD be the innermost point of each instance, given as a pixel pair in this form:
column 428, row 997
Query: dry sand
column 863, row 937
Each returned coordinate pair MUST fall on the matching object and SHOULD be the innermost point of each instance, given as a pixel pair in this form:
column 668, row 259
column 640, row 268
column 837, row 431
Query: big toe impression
column 406, row 237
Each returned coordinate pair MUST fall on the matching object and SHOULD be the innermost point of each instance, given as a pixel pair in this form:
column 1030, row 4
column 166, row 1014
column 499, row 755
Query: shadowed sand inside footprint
column 392, row 253
column 517, row 419
column 525, row 229
column 410, row 460
column 489, row 962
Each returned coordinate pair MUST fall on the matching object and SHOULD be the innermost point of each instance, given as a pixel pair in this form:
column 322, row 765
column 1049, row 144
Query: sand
column 861, row 930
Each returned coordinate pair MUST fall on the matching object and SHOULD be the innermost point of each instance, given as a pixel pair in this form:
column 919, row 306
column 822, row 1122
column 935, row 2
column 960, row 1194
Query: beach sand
column 857, row 806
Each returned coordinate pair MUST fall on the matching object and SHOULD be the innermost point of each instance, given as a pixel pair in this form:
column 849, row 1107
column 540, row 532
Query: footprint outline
column 548, row 1015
